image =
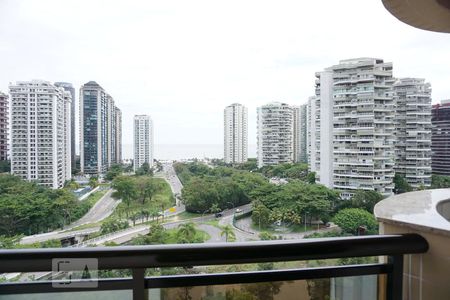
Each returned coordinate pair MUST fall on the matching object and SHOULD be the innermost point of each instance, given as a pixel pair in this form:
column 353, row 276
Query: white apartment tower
column 352, row 127
column 143, row 141
column 235, row 134
column 321, row 129
column 275, row 134
column 300, row 132
column 413, row 131
column 40, row 132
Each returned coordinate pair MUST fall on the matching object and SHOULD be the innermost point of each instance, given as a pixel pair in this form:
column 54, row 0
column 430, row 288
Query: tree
column 126, row 190
column 93, row 182
column 440, row 181
column 401, row 185
column 114, row 171
column 260, row 215
column 350, row 219
column 144, row 170
column 229, row 233
column 265, row 236
column 311, row 178
column 113, row 225
column 365, row 199
column 5, row 166
column 186, row 233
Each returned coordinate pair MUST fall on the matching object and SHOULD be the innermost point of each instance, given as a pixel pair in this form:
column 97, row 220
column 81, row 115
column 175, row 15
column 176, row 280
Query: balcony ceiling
column 432, row 15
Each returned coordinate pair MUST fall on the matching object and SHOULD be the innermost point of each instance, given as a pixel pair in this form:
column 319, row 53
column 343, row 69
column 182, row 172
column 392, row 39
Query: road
column 101, row 210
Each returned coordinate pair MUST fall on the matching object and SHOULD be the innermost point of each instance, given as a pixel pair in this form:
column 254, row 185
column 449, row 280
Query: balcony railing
column 138, row 258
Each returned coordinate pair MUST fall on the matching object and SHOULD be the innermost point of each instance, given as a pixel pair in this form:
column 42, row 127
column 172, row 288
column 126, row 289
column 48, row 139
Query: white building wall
column 235, row 133
column 143, row 141
column 325, row 171
column 40, row 133
column 275, row 134
column 413, row 131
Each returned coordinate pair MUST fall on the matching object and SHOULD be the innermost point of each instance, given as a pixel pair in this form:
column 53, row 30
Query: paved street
column 101, row 210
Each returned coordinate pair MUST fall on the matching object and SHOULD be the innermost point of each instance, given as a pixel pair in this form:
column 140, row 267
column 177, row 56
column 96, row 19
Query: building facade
column 98, row 130
column 4, row 117
column 118, row 145
column 235, row 134
column 69, row 88
column 40, row 132
column 351, row 120
column 440, row 138
column 321, row 129
column 300, row 134
column 143, row 141
column 275, row 134
column 413, row 131
column 363, row 126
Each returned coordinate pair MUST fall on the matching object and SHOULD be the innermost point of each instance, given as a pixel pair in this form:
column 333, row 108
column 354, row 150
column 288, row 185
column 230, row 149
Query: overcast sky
column 183, row 61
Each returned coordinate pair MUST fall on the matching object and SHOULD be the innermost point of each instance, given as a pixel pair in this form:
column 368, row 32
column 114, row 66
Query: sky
column 183, row 61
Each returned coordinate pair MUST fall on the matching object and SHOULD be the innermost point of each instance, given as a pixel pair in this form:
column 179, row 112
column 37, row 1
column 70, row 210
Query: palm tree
column 186, row 233
column 229, row 233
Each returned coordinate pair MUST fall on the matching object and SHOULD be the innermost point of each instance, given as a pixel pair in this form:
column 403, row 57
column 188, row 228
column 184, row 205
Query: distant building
column 440, row 144
column 69, row 88
column 118, row 139
column 4, row 116
column 235, row 133
column 351, row 132
column 40, row 132
column 413, row 131
column 321, row 129
column 275, row 134
column 300, row 134
column 143, row 141
column 99, row 133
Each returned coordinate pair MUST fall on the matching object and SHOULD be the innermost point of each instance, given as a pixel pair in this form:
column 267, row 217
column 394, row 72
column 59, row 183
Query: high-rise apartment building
column 440, row 145
column 235, row 134
column 275, row 134
column 300, row 134
column 413, row 131
column 118, row 145
column 69, row 88
column 40, row 132
column 321, row 129
column 100, row 136
column 4, row 116
column 351, row 126
column 143, row 141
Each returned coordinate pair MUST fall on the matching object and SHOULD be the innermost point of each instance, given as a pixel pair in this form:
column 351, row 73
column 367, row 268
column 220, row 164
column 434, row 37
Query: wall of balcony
column 425, row 276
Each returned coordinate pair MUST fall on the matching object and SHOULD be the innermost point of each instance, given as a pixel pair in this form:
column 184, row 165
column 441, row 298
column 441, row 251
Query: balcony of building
column 425, row 276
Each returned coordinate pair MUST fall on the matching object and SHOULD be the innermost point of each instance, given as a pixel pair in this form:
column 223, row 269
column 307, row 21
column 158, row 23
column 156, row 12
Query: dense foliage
column 290, row 202
column 401, row 185
column 216, row 188
column 27, row 208
column 362, row 199
column 142, row 196
column 184, row 234
column 440, row 181
column 350, row 219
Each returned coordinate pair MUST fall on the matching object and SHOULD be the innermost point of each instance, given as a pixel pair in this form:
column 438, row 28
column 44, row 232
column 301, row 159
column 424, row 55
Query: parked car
column 238, row 210
column 219, row 215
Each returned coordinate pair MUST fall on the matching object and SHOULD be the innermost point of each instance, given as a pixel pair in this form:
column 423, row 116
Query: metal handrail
column 138, row 258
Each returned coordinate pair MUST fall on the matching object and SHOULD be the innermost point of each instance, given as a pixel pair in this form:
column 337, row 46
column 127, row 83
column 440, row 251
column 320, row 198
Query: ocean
column 185, row 151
